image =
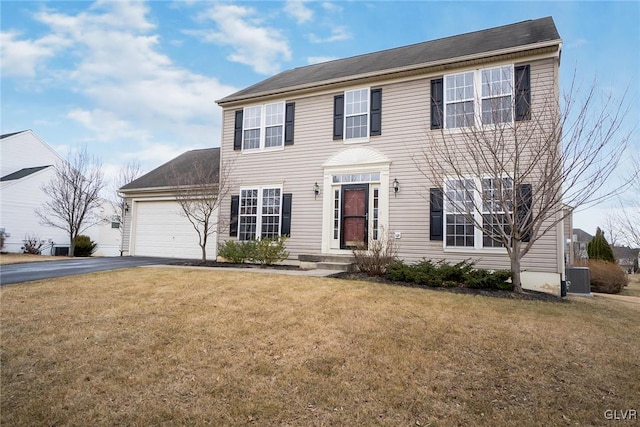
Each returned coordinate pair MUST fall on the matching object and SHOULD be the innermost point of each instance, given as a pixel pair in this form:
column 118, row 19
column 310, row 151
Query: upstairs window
column 356, row 104
column 263, row 126
column 481, row 97
column 357, row 114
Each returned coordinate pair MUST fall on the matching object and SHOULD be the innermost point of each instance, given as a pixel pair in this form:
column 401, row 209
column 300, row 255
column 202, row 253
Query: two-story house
column 326, row 153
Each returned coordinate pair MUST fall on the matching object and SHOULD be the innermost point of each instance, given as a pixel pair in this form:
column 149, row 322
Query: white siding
column 25, row 150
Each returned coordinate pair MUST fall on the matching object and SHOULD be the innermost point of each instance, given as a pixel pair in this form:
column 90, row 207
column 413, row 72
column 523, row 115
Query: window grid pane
column 248, row 214
column 376, row 203
column 497, row 92
column 357, row 114
column 459, row 205
column 270, row 213
column 336, row 214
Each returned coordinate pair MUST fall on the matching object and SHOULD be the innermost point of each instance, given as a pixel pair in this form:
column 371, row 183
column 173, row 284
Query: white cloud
column 136, row 93
column 339, row 33
column 21, row 57
column 299, row 11
column 261, row 47
column 331, row 7
column 318, row 59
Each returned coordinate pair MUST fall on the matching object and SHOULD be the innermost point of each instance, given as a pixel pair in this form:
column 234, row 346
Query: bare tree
column 199, row 193
column 74, row 195
column 126, row 174
column 507, row 172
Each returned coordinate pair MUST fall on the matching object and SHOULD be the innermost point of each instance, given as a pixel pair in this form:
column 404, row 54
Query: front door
column 355, row 209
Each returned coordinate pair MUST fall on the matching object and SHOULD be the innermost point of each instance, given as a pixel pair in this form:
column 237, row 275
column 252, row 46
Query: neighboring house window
column 357, row 114
column 264, row 126
column 481, row 97
column 462, row 196
column 260, row 213
column 115, row 224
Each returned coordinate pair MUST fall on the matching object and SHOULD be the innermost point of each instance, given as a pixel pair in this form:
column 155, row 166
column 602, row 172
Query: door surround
column 373, row 168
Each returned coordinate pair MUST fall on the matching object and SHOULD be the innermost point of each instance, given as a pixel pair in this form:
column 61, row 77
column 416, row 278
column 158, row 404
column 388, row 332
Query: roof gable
column 520, row 34
column 22, row 173
column 161, row 176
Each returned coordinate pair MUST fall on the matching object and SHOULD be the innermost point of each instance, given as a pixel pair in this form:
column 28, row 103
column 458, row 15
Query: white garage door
column 162, row 230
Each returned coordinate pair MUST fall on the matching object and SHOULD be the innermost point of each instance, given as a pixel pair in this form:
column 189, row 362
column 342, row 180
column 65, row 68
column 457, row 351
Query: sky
column 136, row 80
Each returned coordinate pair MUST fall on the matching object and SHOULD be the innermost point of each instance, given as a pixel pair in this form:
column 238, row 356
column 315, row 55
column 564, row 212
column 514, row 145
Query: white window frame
column 259, row 215
column 477, row 197
column 478, row 95
column 366, row 115
column 264, row 122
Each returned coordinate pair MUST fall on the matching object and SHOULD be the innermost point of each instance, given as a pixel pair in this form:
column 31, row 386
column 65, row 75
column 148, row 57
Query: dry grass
column 633, row 288
column 154, row 346
column 11, row 258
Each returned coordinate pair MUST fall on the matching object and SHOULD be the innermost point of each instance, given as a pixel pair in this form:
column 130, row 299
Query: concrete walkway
column 624, row 298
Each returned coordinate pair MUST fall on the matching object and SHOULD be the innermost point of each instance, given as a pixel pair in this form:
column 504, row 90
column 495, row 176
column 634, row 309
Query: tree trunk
column 515, row 267
column 72, row 246
column 203, row 246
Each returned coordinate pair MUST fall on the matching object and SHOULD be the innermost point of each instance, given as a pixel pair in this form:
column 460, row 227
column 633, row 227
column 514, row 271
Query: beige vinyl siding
column 405, row 136
column 126, row 229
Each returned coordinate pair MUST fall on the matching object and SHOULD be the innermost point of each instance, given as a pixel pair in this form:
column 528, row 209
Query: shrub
column 270, row 251
column 606, row 277
column 84, row 246
column 2, row 236
column 237, row 252
column 443, row 274
column 32, row 245
column 376, row 258
column 599, row 248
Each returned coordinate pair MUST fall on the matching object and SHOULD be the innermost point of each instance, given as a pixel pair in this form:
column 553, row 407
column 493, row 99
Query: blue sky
column 138, row 80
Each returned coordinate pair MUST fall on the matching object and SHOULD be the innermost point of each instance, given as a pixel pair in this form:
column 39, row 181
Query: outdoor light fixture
column 126, row 207
column 396, row 186
column 316, row 190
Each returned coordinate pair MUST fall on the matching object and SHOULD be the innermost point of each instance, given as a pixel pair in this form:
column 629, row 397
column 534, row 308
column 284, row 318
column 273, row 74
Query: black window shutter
column 286, row 214
column 233, row 224
column 237, row 134
column 437, row 111
column 435, row 214
column 338, row 116
column 522, row 75
column 289, row 116
column 376, row 112
column 524, row 203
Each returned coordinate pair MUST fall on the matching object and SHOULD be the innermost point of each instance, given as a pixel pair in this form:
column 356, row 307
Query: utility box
column 578, row 280
column 61, row 251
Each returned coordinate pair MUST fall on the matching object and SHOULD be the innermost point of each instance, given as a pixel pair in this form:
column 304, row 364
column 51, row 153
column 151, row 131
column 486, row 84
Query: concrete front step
column 327, row 262
column 338, row 266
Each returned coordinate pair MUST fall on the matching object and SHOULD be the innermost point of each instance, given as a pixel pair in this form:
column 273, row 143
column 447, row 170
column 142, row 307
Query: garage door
column 161, row 230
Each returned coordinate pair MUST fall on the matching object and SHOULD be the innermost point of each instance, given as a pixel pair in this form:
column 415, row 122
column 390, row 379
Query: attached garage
column 154, row 223
column 160, row 229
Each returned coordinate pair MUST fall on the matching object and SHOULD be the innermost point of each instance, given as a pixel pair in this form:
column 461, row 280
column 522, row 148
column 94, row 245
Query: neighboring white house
column 155, row 224
column 27, row 163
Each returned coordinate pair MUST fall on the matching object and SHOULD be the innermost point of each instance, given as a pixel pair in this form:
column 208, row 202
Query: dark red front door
column 354, row 216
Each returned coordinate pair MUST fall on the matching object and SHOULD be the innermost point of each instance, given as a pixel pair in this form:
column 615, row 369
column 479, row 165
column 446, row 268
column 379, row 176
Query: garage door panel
column 161, row 229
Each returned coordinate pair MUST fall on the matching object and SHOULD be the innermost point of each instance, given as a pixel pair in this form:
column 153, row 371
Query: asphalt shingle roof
column 22, row 173
column 494, row 39
column 162, row 176
column 6, row 135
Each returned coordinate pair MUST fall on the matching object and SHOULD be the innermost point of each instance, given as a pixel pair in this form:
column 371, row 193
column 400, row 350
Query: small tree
column 199, row 192
column 599, row 248
column 74, row 195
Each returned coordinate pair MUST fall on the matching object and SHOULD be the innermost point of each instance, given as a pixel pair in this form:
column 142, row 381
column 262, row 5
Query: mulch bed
column 494, row 293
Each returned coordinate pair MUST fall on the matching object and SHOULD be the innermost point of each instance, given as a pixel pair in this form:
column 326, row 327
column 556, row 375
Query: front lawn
column 170, row 346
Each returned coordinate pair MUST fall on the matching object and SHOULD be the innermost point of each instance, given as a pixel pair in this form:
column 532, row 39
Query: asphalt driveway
column 26, row 272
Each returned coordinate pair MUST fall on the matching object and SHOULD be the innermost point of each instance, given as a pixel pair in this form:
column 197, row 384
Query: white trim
column 367, row 115
column 263, row 127
column 351, row 161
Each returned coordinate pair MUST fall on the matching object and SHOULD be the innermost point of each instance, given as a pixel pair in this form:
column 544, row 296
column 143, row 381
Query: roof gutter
column 394, row 72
